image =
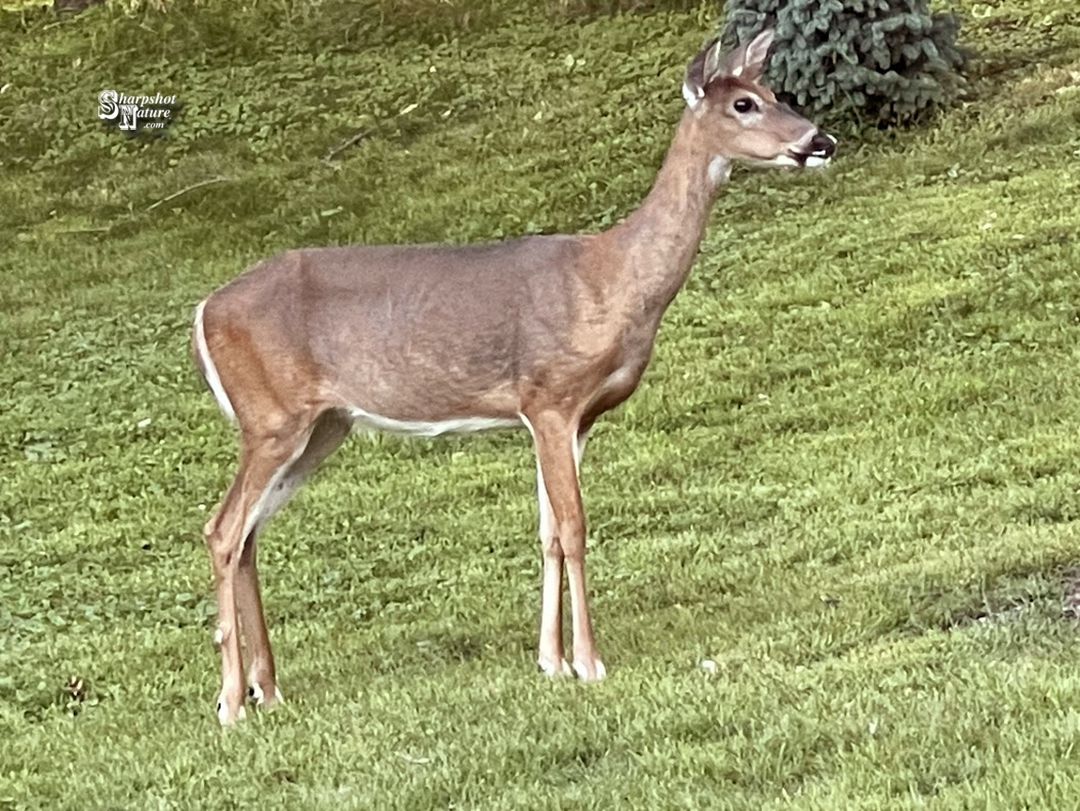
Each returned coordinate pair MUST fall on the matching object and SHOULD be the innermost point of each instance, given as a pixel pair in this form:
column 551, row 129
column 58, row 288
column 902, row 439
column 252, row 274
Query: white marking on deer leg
column 212, row 378
column 814, row 161
column 545, row 506
column 274, row 494
column 219, row 637
column 551, row 659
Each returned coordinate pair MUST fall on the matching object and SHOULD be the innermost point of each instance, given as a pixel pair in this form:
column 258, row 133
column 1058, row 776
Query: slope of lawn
column 832, row 536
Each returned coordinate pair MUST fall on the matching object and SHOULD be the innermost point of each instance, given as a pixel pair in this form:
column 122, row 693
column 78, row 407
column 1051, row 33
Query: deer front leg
column 557, row 452
column 551, row 658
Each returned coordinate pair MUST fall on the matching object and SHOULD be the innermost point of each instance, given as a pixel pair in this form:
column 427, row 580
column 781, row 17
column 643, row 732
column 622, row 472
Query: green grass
column 850, row 478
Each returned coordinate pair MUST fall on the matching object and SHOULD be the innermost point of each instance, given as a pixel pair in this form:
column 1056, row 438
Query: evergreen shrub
column 879, row 61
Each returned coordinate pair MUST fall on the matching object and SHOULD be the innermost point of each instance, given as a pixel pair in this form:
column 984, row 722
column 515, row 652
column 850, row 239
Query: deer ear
column 713, row 59
column 698, row 73
column 756, row 54
column 748, row 60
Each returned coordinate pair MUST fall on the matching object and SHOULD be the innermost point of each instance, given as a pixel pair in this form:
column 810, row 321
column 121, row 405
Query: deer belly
column 366, row 420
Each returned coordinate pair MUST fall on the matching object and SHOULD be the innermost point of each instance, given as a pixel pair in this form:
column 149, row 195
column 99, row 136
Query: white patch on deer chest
column 719, row 171
column 456, row 425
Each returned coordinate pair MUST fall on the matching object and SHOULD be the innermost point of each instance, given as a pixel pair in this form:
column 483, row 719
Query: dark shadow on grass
column 1026, row 589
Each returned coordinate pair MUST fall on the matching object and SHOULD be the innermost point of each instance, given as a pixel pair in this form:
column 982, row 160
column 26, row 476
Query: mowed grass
column 832, row 537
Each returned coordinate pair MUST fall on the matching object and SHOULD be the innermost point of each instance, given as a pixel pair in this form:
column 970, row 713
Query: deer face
column 740, row 119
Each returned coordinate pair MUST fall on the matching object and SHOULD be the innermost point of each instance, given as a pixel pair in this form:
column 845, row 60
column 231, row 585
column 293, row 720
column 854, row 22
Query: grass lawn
column 830, row 536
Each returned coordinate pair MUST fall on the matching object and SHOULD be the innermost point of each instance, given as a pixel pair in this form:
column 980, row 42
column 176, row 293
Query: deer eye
column 744, row 105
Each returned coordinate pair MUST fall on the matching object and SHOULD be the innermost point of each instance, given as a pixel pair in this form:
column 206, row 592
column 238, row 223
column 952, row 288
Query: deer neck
column 658, row 242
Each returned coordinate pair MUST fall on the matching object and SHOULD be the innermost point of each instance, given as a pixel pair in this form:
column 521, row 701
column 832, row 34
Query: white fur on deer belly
column 457, row 425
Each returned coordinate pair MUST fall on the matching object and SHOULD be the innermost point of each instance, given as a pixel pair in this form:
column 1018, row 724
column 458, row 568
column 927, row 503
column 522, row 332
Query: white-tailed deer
column 544, row 332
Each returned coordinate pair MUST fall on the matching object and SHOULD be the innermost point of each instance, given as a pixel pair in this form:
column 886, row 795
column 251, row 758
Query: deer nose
column 822, row 145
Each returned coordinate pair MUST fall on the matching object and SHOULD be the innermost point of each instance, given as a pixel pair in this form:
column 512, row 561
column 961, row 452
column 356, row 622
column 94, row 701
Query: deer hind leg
column 265, row 459
column 329, row 432
column 558, row 451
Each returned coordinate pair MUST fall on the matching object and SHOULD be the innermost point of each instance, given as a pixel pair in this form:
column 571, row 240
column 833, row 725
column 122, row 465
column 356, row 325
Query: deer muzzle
column 821, row 147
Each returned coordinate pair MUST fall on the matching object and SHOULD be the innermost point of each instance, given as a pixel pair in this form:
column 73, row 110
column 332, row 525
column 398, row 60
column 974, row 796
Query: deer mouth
column 821, row 149
column 812, row 160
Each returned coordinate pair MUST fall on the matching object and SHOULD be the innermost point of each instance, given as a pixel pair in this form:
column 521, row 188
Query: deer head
column 740, row 118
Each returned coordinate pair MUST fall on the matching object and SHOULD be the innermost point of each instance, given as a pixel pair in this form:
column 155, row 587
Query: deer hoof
column 225, row 716
column 555, row 669
column 593, row 670
column 260, row 697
